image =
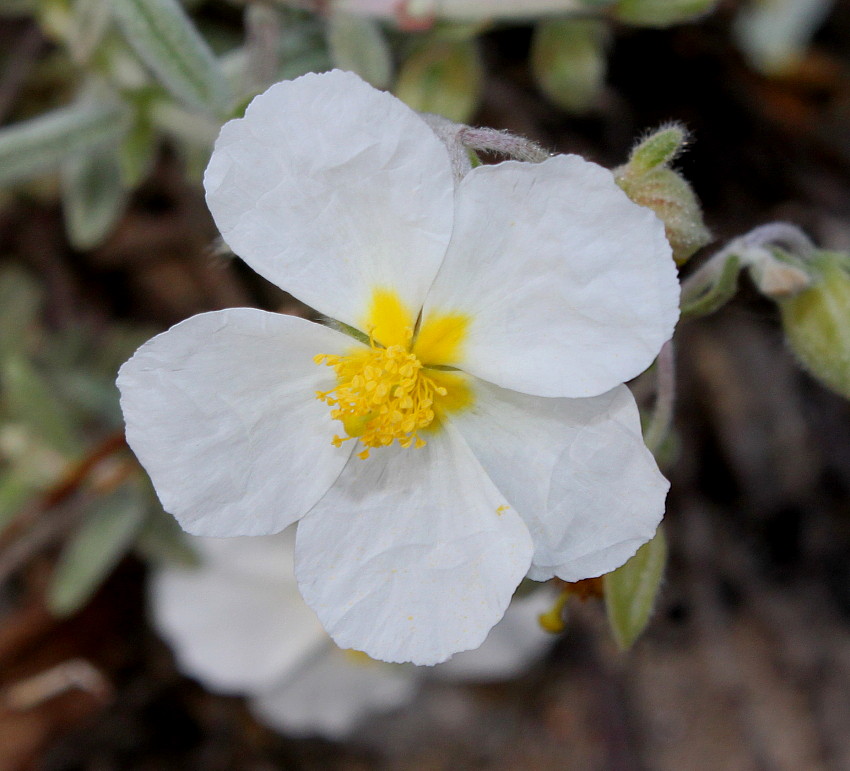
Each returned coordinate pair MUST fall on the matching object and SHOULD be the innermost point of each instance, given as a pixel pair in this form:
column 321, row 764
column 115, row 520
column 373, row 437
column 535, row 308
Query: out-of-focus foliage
column 774, row 34
column 127, row 76
column 58, row 401
column 568, row 61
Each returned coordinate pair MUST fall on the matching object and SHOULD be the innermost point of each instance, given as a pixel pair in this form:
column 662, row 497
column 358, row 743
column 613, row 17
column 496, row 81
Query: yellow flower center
column 385, row 393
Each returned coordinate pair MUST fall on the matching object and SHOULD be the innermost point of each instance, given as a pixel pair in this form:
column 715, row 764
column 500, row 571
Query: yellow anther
column 383, row 395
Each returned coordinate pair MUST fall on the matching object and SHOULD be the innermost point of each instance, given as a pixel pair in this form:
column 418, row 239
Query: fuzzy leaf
column 93, row 196
column 31, row 400
column 630, row 591
column 104, row 536
column 38, row 145
column 167, row 42
column 162, row 541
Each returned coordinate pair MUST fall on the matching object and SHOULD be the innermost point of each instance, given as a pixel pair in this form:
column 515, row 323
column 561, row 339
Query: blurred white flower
column 239, row 626
column 494, row 324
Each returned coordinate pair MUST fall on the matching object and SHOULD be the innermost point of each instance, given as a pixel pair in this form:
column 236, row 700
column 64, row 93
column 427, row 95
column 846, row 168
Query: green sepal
column 816, row 321
column 631, row 590
column 715, row 294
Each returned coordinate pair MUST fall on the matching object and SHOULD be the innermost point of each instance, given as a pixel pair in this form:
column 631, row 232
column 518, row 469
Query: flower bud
column 777, row 274
column 670, row 196
column 661, row 13
column 568, row 62
column 817, row 321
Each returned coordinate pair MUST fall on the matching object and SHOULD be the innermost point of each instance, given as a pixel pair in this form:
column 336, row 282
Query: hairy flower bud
column 817, row 321
column 648, row 181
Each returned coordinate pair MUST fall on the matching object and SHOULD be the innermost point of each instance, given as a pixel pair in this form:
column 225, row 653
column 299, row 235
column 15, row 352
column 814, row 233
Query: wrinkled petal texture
column 409, row 556
column 221, row 412
column 577, row 471
column 237, row 623
column 332, row 694
column 331, row 189
column 574, row 288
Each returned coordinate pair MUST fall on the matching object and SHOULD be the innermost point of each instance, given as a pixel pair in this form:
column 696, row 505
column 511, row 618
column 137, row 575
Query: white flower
column 503, row 316
column 239, row 626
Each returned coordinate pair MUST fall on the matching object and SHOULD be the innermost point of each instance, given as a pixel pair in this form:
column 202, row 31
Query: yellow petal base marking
column 389, row 392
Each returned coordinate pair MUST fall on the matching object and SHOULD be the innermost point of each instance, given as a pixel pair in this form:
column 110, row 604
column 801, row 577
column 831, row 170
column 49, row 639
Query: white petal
column 221, row 412
column 569, row 286
column 331, row 189
column 512, row 646
column 237, row 623
column 332, row 694
column 407, row 558
column 577, row 471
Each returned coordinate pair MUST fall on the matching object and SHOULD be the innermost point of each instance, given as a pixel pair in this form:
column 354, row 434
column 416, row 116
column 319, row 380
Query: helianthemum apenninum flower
column 474, row 429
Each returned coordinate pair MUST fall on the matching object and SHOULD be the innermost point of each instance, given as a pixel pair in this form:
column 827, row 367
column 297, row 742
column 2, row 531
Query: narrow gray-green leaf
column 358, row 44
column 30, row 400
column 162, row 541
column 104, row 536
column 630, row 591
column 167, row 42
column 93, row 196
column 38, row 145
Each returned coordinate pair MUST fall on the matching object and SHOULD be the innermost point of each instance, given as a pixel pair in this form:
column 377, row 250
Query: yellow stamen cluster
column 382, row 395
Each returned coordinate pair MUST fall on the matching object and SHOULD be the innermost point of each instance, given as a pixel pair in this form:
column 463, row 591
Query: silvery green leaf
column 166, row 40
column 93, row 196
column 162, row 541
column 358, row 44
column 34, row 146
column 137, row 152
column 105, row 535
column 30, row 400
column 90, row 20
column 630, row 591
